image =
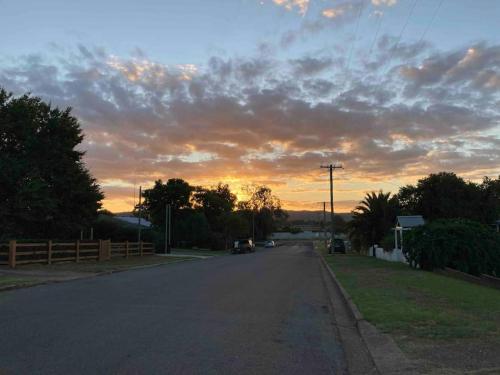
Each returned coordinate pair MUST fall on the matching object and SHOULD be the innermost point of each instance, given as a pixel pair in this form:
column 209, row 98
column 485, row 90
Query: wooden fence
column 48, row 252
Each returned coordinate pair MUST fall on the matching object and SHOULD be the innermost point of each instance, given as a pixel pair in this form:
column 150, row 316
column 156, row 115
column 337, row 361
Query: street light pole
column 167, row 228
column 139, row 220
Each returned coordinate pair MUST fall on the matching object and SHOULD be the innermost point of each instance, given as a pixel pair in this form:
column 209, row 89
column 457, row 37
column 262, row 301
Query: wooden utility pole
column 331, row 168
column 324, row 224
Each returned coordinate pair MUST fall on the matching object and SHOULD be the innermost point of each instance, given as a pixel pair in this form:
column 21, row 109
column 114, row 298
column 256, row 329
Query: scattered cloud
column 262, row 119
column 301, row 5
column 388, row 3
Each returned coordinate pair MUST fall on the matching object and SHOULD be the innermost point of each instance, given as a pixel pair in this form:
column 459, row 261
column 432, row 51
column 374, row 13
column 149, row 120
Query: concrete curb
column 90, row 275
column 387, row 356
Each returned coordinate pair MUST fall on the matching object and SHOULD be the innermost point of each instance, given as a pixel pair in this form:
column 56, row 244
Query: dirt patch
column 458, row 357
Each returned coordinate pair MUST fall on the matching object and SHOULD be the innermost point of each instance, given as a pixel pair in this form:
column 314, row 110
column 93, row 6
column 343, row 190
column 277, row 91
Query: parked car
column 269, row 243
column 243, row 246
column 338, row 245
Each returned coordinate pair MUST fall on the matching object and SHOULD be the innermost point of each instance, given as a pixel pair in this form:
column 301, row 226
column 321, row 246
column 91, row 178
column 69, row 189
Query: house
column 405, row 223
column 134, row 220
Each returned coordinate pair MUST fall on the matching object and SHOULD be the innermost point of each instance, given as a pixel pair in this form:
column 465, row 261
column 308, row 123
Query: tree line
column 211, row 216
column 46, row 191
column 442, row 195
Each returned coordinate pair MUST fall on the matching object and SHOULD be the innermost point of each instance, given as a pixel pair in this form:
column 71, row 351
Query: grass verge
column 7, row 281
column 115, row 264
column 432, row 317
column 202, row 252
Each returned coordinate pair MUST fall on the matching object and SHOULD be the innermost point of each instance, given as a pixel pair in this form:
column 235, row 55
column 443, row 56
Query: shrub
column 388, row 241
column 460, row 244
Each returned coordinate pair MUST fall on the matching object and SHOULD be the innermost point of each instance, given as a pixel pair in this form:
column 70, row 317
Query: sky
column 265, row 91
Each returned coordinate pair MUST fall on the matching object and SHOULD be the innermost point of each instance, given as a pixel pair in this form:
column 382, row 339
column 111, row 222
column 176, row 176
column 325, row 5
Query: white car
column 269, row 243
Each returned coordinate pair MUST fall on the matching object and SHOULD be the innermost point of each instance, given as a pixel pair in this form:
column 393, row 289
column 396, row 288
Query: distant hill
column 315, row 215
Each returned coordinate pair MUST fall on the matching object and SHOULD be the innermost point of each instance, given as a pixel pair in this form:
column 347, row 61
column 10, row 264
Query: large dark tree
column 45, row 189
column 215, row 203
column 175, row 191
column 446, row 196
column 263, row 211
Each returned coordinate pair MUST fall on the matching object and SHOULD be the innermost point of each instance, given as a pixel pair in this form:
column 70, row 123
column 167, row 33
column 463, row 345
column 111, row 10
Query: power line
column 431, row 21
column 376, row 35
column 391, row 54
column 355, row 35
column 405, row 24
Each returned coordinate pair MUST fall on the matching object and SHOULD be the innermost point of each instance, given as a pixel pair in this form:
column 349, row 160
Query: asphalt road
column 260, row 313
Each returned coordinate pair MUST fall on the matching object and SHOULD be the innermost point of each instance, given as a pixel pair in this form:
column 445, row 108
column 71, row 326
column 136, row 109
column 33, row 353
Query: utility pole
column 324, row 224
column 331, row 167
column 139, row 220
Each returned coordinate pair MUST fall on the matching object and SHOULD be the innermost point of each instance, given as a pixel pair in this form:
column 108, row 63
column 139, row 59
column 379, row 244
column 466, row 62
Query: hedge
column 460, row 244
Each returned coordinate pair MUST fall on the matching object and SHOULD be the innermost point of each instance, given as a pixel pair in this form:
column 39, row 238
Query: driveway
column 262, row 313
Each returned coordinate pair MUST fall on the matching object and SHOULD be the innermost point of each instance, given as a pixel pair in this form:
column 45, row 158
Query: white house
column 405, row 223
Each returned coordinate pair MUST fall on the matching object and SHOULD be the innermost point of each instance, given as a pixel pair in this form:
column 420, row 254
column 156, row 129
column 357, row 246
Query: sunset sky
column 265, row 91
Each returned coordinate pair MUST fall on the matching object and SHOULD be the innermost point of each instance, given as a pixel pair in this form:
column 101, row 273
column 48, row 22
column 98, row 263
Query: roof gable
column 410, row 221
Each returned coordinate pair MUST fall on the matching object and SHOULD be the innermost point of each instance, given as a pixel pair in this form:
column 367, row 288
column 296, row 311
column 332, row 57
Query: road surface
column 262, row 313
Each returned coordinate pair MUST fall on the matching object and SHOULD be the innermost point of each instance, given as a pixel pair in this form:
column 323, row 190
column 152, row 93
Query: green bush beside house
column 461, row 244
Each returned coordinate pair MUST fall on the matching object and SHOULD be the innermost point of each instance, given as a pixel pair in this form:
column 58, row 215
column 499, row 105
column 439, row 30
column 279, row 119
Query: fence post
column 77, row 250
column 140, row 249
column 12, row 254
column 108, row 249
column 126, row 249
column 49, row 252
column 99, row 258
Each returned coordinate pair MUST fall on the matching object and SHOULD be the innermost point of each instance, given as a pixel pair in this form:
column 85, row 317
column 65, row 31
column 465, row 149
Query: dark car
column 338, row 245
column 243, row 246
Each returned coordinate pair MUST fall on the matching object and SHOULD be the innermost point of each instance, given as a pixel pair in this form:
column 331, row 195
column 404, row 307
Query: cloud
column 262, row 119
column 301, row 5
column 388, row 3
column 311, row 65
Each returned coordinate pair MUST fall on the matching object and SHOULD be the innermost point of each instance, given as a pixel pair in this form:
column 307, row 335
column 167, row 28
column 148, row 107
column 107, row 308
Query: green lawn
column 16, row 280
column 110, row 265
column 409, row 302
column 443, row 323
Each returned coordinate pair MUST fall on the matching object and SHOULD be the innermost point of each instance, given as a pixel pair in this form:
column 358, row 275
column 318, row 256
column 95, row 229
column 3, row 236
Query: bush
column 460, row 244
column 388, row 241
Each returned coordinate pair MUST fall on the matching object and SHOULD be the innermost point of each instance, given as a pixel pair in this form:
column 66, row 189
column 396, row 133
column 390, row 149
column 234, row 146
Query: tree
column 262, row 210
column 490, row 200
column 46, row 190
column 176, row 192
column 446, row 196
column 215, row 203
column 373, row 218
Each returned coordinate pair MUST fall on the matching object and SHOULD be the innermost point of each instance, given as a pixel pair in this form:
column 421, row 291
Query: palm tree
column 373, row 218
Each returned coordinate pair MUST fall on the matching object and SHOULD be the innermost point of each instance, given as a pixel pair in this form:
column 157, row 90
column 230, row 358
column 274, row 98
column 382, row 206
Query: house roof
column 410, row 221
column 134, row 220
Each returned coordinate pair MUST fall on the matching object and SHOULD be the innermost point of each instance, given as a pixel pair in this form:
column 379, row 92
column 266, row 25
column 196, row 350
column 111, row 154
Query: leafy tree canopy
column 45, row 189
column 175, row 191
column 445, row 196
column 215, row 203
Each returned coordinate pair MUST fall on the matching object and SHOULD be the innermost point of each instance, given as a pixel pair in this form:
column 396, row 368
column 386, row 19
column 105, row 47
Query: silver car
column 269, row 243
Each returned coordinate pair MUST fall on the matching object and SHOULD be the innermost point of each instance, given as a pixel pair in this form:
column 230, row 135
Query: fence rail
column 16, row 253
